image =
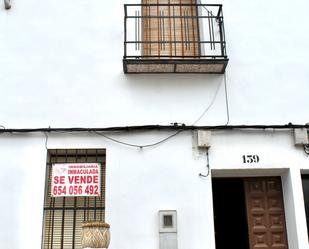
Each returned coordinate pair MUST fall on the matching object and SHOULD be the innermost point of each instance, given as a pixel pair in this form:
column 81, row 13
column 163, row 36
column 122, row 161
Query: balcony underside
column 203, row 66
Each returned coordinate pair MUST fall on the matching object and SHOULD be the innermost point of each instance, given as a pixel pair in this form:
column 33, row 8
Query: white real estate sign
column 75, row 179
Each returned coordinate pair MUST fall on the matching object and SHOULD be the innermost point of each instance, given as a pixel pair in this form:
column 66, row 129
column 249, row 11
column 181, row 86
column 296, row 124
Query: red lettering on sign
column 71, row 179
column 56, row 179
column 95, row 179
column 59, row 180
column 75, row 180
column 83, row 179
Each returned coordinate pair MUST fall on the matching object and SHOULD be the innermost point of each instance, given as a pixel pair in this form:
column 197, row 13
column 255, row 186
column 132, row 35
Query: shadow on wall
column 189, row 89
column 177, row 80
column 190, row 85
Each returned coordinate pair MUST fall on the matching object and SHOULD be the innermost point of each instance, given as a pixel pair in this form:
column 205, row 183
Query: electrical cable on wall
column 207, row 165
column 306, row 149
column 175, row 124
column 46, row 140
column 288, row 126
column 209, row 12
column 1, row 128
column 129, row 144
column 181, row 129
column 209, row 106
column 137, row 145
column 180, row 126
column 213, row 101
column 141, row 146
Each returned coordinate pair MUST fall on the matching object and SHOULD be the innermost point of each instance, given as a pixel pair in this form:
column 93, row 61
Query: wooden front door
column 265, row 213
column 170, row 30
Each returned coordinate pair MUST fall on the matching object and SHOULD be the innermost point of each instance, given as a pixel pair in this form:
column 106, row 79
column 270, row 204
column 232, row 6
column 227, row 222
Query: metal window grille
column 174, row 36
column 63, row 216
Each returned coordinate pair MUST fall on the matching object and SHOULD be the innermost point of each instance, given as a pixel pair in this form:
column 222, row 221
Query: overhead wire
column 46, row 140
column 138, row 145
column 176, row 124
column 179, row 126
column 306, row 149
column 174, row 134
column 1, row 128
column 203, row 6
column 209, row 106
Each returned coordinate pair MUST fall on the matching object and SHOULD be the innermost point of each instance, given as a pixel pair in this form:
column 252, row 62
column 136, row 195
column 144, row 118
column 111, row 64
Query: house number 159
column 250, row 158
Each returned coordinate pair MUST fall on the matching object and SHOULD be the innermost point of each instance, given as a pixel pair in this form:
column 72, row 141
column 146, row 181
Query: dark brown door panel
column 265, row 213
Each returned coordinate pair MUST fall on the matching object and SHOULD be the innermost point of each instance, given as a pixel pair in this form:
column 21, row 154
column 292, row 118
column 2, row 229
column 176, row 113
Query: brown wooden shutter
column 170, row 30
column 63, row 215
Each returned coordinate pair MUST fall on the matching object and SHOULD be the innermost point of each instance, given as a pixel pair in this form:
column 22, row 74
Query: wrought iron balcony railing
column 174, row 38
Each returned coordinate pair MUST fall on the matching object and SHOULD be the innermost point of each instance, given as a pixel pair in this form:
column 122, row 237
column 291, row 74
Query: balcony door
column 170, row 29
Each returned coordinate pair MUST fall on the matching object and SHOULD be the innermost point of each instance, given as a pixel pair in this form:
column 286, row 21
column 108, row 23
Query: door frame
column 287, row 189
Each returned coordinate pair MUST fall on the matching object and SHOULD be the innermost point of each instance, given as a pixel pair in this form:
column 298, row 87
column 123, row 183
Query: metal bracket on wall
column 203, row 143
column 7, row 4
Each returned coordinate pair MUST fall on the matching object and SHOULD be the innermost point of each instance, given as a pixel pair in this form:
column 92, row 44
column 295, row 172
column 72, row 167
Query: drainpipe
column 7, row 4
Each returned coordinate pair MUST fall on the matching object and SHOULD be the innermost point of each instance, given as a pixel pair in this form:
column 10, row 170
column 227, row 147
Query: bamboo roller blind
column 175, row 35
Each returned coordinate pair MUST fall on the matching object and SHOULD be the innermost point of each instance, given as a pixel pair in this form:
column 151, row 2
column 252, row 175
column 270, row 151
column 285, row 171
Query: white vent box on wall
column 301, row 136
column 168, row 229
column 203, row 139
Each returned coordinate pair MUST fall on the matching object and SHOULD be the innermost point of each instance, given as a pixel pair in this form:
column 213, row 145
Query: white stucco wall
column 139, row 183
column 61, row 66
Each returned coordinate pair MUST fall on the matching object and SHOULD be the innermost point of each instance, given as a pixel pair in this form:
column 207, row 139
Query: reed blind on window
column 170, row 29
column 63, row 216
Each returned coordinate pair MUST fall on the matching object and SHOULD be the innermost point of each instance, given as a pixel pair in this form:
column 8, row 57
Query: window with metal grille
column 63, row 216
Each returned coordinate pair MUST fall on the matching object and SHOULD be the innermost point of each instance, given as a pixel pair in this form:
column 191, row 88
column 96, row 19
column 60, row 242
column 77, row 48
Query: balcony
column 174, row 38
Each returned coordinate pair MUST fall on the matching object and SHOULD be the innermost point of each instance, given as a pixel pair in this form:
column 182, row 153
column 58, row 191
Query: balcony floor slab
column 203, row 66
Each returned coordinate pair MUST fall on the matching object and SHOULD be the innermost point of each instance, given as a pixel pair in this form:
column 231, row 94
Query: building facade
column 195, row 111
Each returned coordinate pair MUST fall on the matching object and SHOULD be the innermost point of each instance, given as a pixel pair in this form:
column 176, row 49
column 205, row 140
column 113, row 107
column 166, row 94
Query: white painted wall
column 61, row 65
column 142, row 182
